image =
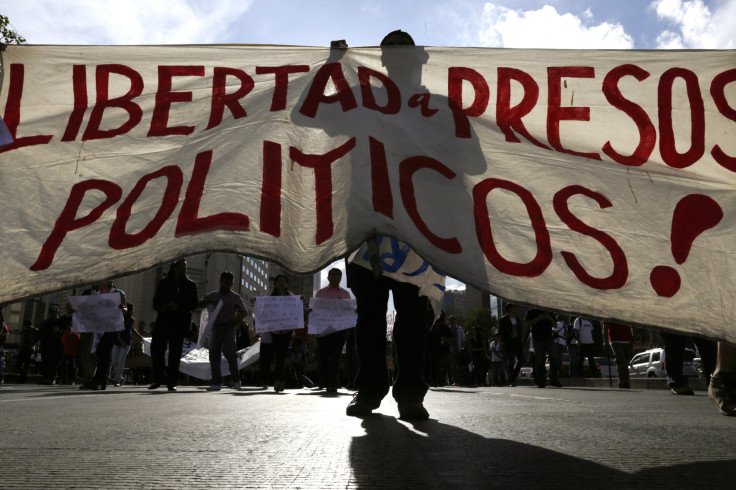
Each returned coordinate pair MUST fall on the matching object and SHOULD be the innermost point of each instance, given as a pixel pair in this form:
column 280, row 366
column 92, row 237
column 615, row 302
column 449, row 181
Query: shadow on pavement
column 429, row 454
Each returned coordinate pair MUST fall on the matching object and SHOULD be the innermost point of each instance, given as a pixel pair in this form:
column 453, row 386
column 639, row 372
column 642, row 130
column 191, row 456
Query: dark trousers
column 674, row 357
column 50, row 359
column 586, row 350
column 104, row 357
column 168, row 332
column 409, row 335
column 543, row 349
column 514, row 357
column 623, row 352
column 264, row 363
column 222, row 341
column 329, row 348
column 433, row 362
column 23, row 362
column 280, row 348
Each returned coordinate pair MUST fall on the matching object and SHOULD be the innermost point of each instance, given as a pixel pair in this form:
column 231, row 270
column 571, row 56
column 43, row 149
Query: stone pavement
column 522, row 437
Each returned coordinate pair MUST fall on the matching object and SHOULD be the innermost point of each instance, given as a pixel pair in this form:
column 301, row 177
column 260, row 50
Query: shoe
column 278, row 386
column 723, row 394
column 540, row 386
column 153, row 386
column 99, row 387
column 682, row 390
column 87, row 386
column 512, row 385
column 556, row 383
column 172, row 389
column 213, row 388
column 412, row 411
column 331, row 389
column 117, row 385
column 361, row 406
column 236, row 386
column 308, row 383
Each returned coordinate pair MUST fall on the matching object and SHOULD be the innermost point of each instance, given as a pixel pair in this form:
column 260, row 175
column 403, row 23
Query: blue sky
column 625, row 24
column 576, row 24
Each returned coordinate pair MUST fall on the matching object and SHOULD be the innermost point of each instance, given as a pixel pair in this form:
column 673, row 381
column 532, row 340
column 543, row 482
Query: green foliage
column 483, row 319
column 8, row 34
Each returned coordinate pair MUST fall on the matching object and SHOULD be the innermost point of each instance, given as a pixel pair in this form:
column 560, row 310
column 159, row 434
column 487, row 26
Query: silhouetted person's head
column 403, row 65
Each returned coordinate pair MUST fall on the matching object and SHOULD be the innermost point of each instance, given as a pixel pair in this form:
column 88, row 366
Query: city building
column 460, row 302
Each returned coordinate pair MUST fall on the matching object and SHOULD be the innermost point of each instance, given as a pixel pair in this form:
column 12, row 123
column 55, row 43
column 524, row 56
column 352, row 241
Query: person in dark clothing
column 28, row 338
column 674, row 357
column 509, row 328
column 51, row 349
column 433, row 371
column 175, row 298
column 541, row 324
column 480, row 355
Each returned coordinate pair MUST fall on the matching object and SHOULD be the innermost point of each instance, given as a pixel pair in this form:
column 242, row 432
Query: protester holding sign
column 281, row 338
column 121, row 348
column 229, row 311
column 175, row 298
column 330, row 344
column 108, row 339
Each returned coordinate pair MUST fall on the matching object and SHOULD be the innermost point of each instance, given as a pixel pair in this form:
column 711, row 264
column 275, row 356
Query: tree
column 8, row 35
column 483, row 319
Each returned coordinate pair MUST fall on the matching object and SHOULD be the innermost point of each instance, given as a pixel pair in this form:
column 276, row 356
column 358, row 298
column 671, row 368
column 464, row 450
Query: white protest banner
column 97, row 313
column 599, row 182
column 207, row 322
column 196, row 361
column 331, row 315
column 273, row 313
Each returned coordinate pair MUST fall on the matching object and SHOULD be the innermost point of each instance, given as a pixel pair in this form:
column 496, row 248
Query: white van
column 651, row 363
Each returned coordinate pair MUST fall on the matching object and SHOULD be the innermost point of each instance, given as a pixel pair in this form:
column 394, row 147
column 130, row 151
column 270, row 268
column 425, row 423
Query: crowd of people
column 449, row 357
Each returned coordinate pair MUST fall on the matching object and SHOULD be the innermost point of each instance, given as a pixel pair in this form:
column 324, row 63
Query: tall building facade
column 463, row 301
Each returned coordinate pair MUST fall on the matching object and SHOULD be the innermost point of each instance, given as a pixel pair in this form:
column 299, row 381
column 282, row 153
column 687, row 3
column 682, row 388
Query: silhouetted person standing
column 175, row 298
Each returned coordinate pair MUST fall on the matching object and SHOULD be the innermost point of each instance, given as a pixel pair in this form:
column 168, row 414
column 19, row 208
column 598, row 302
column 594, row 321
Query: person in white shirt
column 558, row 335
column 584, row 335
column 498, row 362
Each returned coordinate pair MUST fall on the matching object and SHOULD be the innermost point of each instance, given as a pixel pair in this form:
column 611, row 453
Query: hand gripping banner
column 598, row 182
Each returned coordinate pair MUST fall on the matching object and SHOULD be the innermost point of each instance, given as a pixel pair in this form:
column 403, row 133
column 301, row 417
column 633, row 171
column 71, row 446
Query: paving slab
column 521, row 437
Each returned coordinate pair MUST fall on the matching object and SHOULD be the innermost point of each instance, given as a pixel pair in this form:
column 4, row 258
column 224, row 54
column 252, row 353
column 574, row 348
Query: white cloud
column 546, row 28
column 130, row 22
column 694, row 25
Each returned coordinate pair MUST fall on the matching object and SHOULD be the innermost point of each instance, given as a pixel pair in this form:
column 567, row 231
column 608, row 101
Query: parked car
column 652, row 364
column 603, row 363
